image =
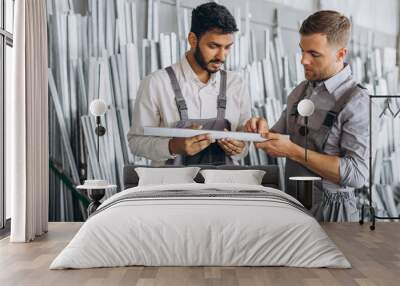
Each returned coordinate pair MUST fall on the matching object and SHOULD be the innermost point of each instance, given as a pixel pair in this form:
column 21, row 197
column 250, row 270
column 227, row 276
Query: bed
column 197, row 224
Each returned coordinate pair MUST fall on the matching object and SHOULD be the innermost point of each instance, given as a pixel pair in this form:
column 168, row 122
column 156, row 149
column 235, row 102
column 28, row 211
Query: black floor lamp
column 305, row 108
column 96, row 188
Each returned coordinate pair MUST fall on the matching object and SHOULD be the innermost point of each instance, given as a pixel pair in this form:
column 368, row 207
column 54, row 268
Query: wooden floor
column 375, row 256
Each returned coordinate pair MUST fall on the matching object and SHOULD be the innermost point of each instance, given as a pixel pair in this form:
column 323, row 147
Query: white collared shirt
column 155, row 106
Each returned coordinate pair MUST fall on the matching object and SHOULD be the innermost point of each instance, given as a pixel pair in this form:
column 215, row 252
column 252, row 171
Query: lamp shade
column 305, row 107
column 98, row 107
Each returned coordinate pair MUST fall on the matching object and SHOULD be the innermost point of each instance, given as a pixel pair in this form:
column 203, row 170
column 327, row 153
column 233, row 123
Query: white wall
column 306, row 5
column 382, row 15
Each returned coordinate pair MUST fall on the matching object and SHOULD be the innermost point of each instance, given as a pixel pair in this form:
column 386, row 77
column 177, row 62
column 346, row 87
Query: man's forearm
column 153, row 148
column 326, row 166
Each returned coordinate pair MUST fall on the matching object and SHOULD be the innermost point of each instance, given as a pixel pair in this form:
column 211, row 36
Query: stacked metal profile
column 97, row 56
column 91, row 56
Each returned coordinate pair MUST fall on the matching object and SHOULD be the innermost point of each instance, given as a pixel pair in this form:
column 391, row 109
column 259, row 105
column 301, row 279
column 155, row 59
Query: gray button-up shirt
column 349, row 136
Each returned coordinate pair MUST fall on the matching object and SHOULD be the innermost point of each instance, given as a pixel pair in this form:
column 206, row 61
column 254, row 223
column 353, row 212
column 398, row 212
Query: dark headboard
column 270, row 179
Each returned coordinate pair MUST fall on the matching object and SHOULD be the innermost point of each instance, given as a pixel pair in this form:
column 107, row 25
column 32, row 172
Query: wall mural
column 101, row 54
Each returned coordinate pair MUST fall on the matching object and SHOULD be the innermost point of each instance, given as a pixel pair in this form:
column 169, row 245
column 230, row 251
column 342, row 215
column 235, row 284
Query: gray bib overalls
column 213, row 154
column 337, row 205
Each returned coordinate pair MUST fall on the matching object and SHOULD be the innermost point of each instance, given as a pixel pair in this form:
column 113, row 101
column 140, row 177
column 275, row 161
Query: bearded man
column 194, row 93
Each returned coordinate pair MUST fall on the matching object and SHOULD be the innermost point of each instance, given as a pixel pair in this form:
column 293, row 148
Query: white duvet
column 183, row 231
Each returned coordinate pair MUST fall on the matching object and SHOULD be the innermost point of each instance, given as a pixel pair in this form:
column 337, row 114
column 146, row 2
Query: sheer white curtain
column 27, row 123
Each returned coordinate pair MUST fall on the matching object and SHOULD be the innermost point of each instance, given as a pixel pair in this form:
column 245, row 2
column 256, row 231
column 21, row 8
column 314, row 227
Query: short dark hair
column 212, row 17
column 334, row 25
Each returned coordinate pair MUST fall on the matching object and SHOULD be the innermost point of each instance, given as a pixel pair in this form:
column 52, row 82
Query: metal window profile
column 9, row 42
column 2, row 89
column 3, row 41
column 6, row 34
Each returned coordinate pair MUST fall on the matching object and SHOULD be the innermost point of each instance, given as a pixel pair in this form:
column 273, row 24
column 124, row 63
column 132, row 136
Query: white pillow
column 163, row 176
column 248, row 177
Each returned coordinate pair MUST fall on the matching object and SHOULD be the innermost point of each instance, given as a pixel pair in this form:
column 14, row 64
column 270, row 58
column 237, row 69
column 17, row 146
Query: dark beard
column 198, row 56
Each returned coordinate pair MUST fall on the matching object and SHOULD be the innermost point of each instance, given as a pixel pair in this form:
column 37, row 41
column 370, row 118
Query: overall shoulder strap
column 332, row 114
column 296, row 96
column 179, row 99
column 293, row 100
column 221, row 100
column 340, row 104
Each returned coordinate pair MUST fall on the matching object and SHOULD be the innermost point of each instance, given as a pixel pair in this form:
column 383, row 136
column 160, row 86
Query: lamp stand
column 96, row 195
column 100, row 131
column 304, row 190
column 306, row 131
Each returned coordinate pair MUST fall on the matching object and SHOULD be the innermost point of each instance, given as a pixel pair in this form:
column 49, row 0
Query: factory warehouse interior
column 191, row 142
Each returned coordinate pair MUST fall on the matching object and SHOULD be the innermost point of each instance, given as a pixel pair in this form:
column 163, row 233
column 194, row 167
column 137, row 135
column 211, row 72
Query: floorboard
column 374, row 255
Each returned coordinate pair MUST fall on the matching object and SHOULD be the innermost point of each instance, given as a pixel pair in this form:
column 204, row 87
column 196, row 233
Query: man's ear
column 341, row 54
column 192, row 39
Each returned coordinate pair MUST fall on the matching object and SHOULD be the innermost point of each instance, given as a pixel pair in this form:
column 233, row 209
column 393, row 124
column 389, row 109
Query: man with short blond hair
column 337, row 130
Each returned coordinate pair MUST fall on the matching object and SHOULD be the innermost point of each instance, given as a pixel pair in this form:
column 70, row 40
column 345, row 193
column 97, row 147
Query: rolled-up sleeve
column 146, row 112
column 354, row 143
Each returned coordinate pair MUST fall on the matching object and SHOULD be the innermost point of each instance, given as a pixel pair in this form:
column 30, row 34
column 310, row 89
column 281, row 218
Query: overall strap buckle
column 181, row 104
column 221, row 103
column 330, row 118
